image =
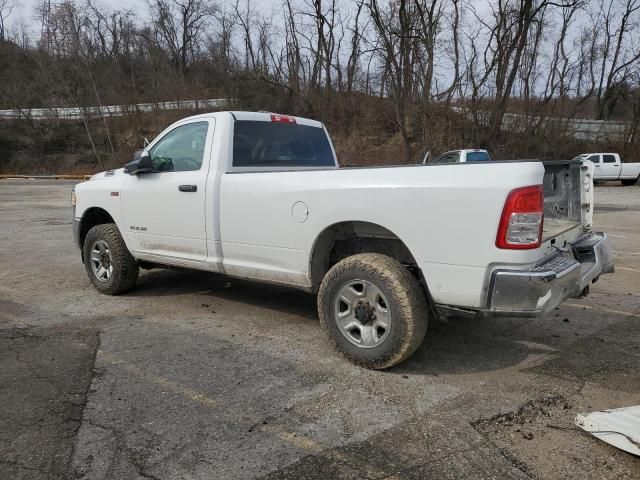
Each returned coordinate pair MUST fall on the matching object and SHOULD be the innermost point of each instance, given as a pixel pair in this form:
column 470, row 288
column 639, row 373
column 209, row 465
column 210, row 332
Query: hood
column 108, row 174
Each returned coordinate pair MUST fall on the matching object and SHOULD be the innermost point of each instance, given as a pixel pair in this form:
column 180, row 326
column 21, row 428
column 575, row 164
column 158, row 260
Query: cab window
column 269, row 144
column 180, row 150
column 478, row 157
column 609, row 158
column 449, row 157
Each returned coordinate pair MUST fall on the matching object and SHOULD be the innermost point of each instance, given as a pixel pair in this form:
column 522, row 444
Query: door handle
column 188, row 188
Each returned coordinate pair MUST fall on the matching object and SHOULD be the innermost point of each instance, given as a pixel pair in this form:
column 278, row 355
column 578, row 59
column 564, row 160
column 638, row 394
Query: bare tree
column 444, row 73
column 356, row 40
column 396, row 30
column 295, row 66
column 510, row 28
column 454, row 23
column 617, row 56
column 244, row 20
column 429, row 15
column 6, row 7
column 179, row 25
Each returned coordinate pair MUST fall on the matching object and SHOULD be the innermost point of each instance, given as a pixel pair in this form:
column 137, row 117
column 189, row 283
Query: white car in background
column 608, row 166
column 463, row 156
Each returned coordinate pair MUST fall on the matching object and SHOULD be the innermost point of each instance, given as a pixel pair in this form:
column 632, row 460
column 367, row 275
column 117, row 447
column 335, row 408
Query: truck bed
column 562, row 198
column 557, row 226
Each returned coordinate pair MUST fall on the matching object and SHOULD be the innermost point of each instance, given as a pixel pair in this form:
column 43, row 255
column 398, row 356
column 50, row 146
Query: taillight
column 282, row 119
column 521, row 221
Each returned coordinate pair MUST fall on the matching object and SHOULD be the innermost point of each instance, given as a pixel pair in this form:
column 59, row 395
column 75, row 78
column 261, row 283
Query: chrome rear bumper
column 541, row 288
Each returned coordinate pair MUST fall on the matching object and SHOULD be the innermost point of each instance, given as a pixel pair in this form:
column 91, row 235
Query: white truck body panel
column 268, row 241
column 264, row 223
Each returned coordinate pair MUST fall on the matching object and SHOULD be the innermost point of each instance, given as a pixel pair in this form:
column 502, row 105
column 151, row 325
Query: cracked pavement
column 196, row 376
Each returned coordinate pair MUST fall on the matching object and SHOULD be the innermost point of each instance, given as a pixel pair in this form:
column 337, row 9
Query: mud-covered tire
column 629, row 182
column 124, row 273
column 401, row 291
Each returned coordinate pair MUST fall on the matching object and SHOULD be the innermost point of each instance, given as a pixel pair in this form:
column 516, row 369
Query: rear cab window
column 449, row 157
column 279, row 143
column 478, row 157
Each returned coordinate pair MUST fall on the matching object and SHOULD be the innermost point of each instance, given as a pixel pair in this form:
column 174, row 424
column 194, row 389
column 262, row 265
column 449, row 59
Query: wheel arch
column 90, row 218
column 342, row 239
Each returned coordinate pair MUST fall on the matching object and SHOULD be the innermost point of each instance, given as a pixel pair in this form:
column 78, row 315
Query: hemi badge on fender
column 115, row 194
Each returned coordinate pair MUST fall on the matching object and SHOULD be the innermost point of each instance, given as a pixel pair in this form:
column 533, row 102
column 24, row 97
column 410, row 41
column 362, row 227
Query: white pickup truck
column 463, row 156
column 608, row 166
column 260, row 196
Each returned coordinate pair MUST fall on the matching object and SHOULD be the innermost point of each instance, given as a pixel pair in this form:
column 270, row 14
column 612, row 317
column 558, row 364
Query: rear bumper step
column 539, row 289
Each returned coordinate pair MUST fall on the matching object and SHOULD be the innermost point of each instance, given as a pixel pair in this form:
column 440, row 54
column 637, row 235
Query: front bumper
column 541, row 288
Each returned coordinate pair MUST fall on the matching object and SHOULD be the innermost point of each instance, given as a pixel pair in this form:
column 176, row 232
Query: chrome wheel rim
column 101, row 261
column 362, row 313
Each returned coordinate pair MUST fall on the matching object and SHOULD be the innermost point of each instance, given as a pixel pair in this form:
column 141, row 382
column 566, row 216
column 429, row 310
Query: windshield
column 581, row 157
column 269, row 144
column 478, row 157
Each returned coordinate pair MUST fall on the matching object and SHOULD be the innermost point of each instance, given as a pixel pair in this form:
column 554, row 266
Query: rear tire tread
column 408, row 297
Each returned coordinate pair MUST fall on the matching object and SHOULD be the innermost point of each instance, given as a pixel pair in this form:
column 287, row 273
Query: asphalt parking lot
column 196, row 376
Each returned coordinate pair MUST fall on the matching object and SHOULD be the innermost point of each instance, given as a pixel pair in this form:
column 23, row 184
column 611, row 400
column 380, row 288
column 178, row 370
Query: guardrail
column 44, row 177
column 579, row 128
column 76, row 113
column 582, row 129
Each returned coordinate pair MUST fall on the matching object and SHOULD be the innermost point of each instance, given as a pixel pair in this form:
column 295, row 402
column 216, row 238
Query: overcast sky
column 26, row 8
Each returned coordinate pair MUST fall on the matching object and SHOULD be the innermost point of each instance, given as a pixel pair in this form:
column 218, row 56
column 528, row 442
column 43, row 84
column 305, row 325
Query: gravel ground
column 197, row 376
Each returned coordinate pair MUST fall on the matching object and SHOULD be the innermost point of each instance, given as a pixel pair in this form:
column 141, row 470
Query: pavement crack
column 83, row 403
column 135, row 458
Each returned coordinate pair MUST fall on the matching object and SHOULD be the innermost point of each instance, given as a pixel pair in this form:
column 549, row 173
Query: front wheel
column 373, row 310
column 110, row 266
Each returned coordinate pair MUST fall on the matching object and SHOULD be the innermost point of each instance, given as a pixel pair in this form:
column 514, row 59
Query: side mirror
column 141, row 164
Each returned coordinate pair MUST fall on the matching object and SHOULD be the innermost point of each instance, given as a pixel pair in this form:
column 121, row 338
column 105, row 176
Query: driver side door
column 164, row 211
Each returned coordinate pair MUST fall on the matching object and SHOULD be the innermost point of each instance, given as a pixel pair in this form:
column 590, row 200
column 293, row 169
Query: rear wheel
column 373, row 310
column 110, row 266
column 628, row 183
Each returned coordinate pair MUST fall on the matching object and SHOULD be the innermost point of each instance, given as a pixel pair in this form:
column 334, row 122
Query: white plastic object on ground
column 619, row 427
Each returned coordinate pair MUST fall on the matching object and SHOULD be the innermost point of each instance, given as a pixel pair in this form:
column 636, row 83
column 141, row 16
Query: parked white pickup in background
column 463, row 156
column 608, row 166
